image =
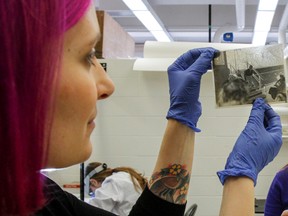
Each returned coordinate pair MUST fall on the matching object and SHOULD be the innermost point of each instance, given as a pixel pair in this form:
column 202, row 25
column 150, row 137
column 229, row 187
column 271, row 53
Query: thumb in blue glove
column 184, row 82
column 257, row 145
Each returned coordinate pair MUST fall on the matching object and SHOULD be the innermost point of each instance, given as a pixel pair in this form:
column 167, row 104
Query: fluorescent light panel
column 160, row 36
column 135, row 5
column 259, row 38
column 269, row 5
column 263, row 20
column 148, row 20
column 265, row 14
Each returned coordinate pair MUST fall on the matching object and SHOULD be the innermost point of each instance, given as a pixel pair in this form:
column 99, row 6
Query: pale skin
column 82, row 83
column 238, row 197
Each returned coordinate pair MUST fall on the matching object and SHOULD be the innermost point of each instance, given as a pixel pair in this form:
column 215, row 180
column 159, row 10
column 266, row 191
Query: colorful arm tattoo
column 171, row 183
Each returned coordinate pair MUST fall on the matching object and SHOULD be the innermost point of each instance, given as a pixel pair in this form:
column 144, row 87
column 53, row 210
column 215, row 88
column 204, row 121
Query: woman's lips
column 91, row 125
column 91, row 122
column 92, row 118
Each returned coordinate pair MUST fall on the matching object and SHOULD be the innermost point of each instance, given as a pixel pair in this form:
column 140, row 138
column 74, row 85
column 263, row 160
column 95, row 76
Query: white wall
column 130, row 125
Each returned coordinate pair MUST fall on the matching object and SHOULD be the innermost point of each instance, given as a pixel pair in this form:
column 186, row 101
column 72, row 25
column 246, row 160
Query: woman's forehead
column 84, row 33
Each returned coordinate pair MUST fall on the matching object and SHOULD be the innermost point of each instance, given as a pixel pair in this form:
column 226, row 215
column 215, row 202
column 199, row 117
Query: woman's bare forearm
column 171, row 175
column 238, row 197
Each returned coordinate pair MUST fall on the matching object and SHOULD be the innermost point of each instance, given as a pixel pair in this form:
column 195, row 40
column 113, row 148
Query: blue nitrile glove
column 257, row 145
column 184, row 82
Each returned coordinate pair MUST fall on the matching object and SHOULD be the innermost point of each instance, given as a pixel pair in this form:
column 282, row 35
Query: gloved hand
column 257, row 145
column 184, row 82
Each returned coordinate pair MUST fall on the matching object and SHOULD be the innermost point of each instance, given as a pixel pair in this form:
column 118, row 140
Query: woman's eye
column 91, row 57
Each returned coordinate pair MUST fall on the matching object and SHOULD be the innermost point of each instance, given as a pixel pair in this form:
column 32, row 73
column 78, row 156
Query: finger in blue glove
column 257, row 145
column 184, row 85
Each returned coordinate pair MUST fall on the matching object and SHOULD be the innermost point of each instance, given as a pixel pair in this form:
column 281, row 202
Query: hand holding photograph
column 242, row 75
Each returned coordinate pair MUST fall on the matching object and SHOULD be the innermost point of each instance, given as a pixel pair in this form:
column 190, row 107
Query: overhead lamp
column 264, row 17
column 267, row 5
column 135, row 5
column 160, row 36
column 259, row 38
column 150, row 21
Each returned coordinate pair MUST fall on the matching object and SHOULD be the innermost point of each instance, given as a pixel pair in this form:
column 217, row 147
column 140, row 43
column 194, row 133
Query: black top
column 62, row 203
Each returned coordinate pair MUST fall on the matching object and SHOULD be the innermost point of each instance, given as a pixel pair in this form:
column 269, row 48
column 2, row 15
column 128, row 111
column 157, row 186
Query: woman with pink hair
column 36, row 47
column 50, row 82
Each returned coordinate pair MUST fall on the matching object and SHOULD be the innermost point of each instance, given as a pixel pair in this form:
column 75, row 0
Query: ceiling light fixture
column 149, row 19
column 265, row 14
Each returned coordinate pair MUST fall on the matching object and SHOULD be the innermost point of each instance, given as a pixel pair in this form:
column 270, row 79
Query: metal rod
column 209, row 21
column 82, row 181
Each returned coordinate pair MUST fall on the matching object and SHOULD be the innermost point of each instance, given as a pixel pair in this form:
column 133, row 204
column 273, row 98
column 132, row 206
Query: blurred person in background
column 113, row 189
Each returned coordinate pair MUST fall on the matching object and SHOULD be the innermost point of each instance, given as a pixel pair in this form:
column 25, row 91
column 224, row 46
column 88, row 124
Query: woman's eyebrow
column 94, row 40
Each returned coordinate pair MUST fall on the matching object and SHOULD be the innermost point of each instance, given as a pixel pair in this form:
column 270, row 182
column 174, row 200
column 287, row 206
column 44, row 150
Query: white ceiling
column 187, row 20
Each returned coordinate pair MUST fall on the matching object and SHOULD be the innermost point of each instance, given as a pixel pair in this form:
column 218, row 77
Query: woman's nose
column 105, row 85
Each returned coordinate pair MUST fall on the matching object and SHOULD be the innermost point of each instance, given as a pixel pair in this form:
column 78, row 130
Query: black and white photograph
column 242, row 75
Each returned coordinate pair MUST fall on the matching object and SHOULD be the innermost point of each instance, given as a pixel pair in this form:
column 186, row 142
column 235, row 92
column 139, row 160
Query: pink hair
column 32, row 33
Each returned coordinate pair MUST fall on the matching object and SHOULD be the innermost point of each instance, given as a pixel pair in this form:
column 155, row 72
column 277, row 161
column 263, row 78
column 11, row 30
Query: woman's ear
column 94, row 184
